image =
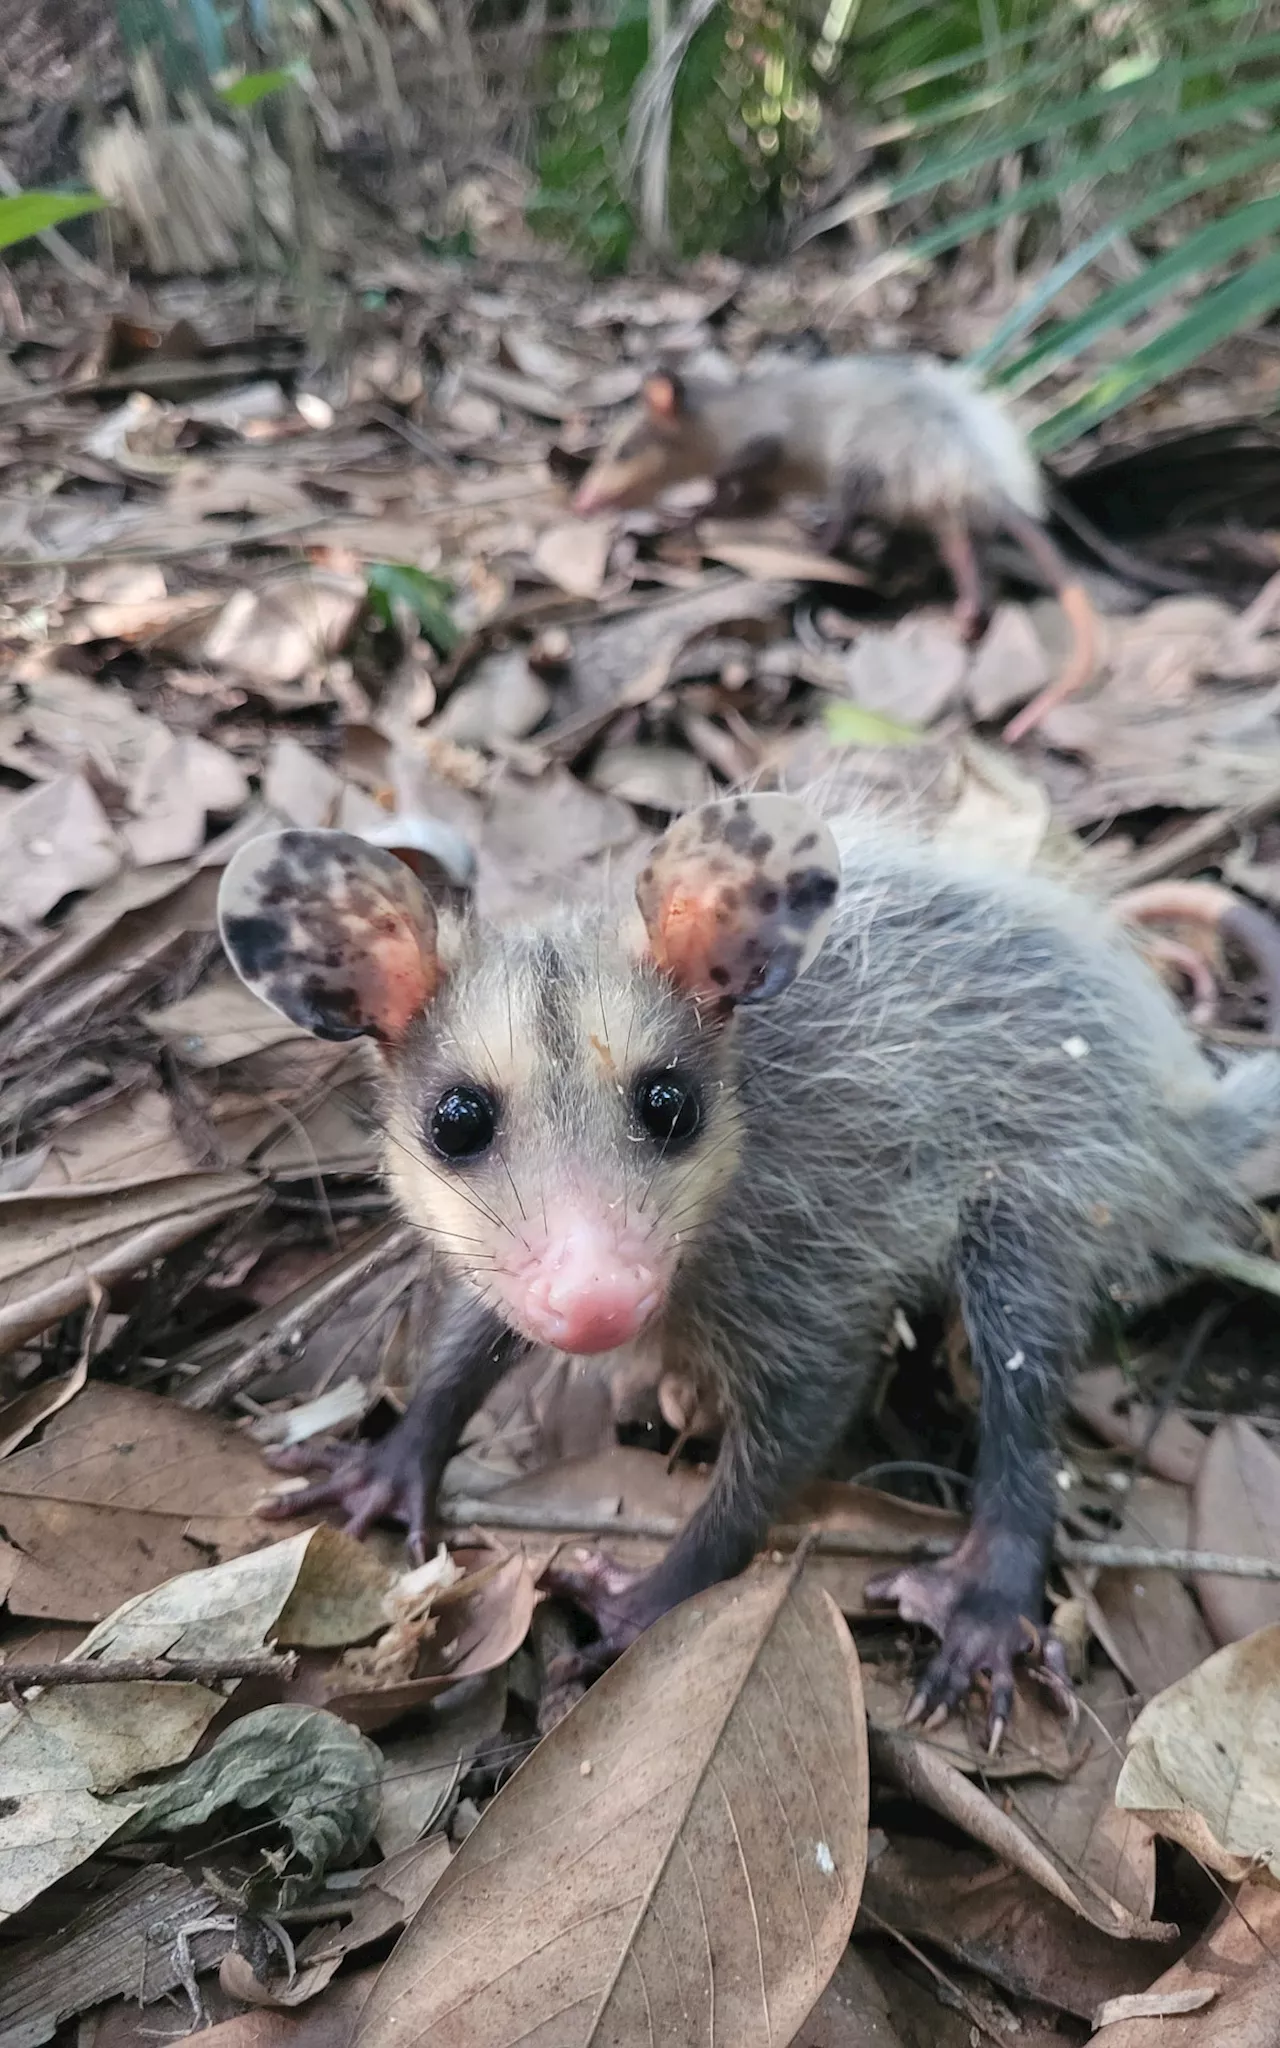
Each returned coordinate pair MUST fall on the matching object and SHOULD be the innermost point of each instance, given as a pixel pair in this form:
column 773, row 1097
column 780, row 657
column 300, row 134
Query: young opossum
column 906, row 438
column 828, row 1071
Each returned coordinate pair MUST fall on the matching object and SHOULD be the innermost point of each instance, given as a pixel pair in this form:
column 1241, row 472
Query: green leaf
column 1238, row 163
column 1233, row 306
column 851, row 726
column 1207, row 248
column 30, row 213
column 255, row 85
column 1137, row 141
column 1142, row 139
column 427, row 597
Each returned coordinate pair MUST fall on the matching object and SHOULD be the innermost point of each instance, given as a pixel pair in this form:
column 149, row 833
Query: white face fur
column 559, row 1108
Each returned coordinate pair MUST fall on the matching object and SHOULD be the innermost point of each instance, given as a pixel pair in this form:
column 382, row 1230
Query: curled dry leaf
column 1235, row 1508
column 679, row 1861
column 1148, row 1622
column 936, row 1783
column 1204, row 1759
column 1236, row 1962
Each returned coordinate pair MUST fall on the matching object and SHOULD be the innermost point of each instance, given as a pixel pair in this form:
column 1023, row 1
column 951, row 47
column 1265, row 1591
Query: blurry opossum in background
column 903, row 438
column 826, row 1072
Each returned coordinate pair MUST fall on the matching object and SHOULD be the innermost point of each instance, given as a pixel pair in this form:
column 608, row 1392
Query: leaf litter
column 367, row 605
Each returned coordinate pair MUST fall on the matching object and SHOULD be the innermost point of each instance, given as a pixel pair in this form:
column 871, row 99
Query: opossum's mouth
column 584, row 1286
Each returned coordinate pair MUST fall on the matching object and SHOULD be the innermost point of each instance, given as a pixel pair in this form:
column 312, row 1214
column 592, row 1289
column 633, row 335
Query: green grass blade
column 30, row 213
column 1136, row 141
column 1238, row 163
column 1142, row 139
column 253, row 86
column 1219, row 314
column 1209, row 246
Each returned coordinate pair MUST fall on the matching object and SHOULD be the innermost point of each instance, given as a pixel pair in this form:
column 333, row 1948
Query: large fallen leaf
column 1235, row 1509
column 274, row 635
column 679, row 1861
column 1238, row 1963
column 1079, row 1820
column 1204, row 1759
column 999, row 1922
column 936, row 1783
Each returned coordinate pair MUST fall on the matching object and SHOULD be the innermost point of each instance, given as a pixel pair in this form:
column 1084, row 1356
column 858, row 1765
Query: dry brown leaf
column 391, row 1893
column 1105, row 1400
column 1037, row 1741
column 1235, row 1508
column 765, row 560
column 936, row 1783
column 502, row 699
column 222, row 1021
column 53, row 1245
column 999, row 1922
column 1009, row 666
column 25, row 1413
column 297, row 786
column 1237, row 1961
column 282, row 1992
column 54, row 840
column 479, row 1624
column 913, row 672
column 180, row 783
column 423, row 1768
column 1079, row 1818
column 575, row 556
column 1204, row 1759
column 1148, row 1622
column 1153, row 2005
column 657, row 778
column 160, row 619
column 275, row 635
column 689, row 1841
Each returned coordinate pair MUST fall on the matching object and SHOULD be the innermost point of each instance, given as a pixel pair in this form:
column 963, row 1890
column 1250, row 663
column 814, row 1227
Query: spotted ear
column 664, row 397
column 738, row 896
column 335, row 934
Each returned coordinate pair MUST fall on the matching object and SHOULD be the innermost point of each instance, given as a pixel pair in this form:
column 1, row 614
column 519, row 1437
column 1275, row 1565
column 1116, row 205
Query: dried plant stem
column 594, row 1520
column 180, row 1670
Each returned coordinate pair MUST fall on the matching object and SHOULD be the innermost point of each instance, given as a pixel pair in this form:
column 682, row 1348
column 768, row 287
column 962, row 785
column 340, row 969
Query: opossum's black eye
column 463, row 1123
column 669, row 1107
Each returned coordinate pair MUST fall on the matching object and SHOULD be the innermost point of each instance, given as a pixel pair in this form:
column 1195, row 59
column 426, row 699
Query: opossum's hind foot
column 612, row 1596
column 368, row 1482
column 983, row 1629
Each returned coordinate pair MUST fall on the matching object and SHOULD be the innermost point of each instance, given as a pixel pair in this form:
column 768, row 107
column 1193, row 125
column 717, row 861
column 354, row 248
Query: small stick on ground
column 467, row 1515
column 148, row 1670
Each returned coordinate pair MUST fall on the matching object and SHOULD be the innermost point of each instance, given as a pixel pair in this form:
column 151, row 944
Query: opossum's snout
column 580, row 1282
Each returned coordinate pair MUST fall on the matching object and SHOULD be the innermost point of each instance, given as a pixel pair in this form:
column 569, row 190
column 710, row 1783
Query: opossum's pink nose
column 589, row 1289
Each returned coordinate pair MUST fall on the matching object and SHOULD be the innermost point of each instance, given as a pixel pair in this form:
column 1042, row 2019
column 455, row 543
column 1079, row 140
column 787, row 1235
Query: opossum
column 906, row 438
column 827, row 1071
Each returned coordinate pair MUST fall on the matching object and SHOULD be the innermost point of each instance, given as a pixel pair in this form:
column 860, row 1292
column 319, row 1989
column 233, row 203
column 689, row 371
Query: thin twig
column 590, row 1521
column 179, row 1670
column 961, row 1997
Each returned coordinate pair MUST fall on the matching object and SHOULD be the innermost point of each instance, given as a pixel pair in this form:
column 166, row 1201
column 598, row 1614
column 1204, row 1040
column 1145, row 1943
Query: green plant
column 744, row 115
column 30, row 213
column 1136, row 134
column 426, row 598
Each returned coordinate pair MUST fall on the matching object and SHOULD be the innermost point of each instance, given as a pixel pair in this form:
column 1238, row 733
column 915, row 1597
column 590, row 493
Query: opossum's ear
column 664, row 397
column 335, row 934
column 738, row 896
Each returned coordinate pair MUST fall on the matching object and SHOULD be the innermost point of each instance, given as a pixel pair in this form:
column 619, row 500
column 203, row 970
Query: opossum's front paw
column 983, row 1626
column 367, row 1481
column 617, row 1601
